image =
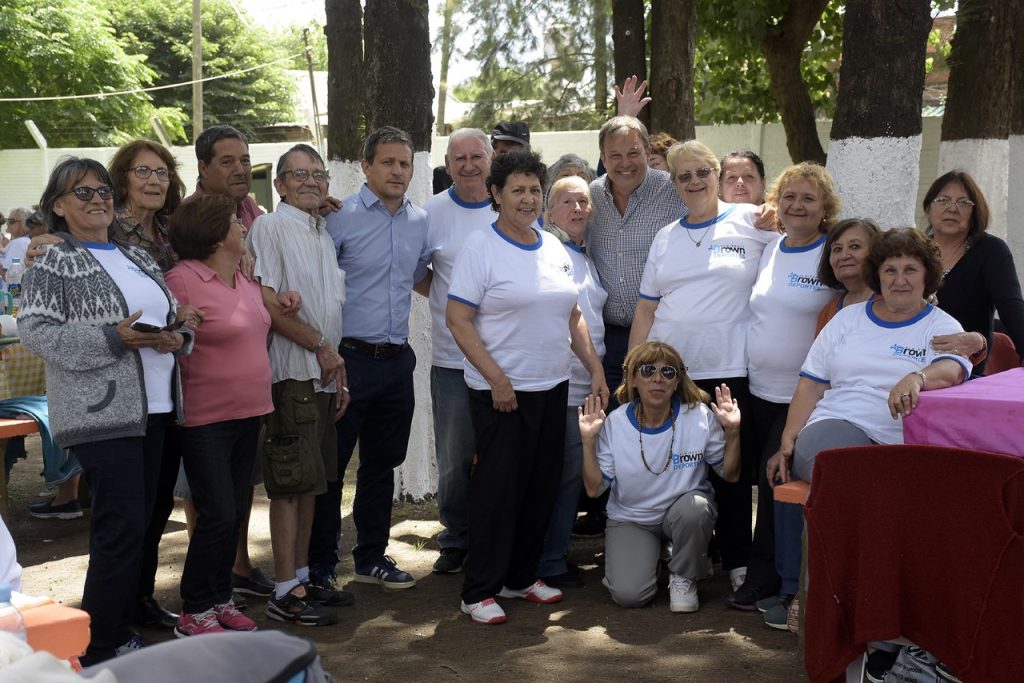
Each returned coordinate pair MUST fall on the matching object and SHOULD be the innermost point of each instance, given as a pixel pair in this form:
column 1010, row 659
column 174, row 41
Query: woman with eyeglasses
column 695, row 296
column 980, row 277
column 100, row 315
column 654, row 453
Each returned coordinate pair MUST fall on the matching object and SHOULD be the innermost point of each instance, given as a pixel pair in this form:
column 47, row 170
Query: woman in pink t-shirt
column 226, row 387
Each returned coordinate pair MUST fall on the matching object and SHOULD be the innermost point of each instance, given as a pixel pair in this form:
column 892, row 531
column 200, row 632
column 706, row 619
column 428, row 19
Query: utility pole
column 312, row 92
column 197, row 70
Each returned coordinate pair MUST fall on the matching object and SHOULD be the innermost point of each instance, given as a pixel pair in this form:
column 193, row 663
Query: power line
column 136, row 91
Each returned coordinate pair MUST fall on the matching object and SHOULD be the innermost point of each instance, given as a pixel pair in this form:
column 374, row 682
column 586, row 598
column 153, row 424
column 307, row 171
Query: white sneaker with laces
column 736, row 577
column 682, row 594
column 485, row 612
column 539, row 592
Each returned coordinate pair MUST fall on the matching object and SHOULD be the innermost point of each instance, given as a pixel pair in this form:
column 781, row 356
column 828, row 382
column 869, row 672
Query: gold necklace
column 643, row 457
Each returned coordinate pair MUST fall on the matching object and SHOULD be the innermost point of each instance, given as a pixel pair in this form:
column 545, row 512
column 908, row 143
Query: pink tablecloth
column 985, row 414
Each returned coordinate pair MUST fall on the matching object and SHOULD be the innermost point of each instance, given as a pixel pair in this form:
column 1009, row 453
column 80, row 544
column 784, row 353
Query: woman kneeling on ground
column 654, row 454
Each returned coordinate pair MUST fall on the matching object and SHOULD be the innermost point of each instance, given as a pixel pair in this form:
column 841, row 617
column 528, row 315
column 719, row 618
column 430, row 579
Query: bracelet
column 319, row 343
column 924, row 378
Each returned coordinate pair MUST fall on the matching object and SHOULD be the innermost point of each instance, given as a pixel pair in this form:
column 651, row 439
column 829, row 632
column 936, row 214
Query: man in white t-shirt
column 453, row 215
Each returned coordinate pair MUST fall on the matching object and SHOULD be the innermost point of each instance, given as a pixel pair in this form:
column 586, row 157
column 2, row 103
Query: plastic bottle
column 14, row 274
column 10, row 617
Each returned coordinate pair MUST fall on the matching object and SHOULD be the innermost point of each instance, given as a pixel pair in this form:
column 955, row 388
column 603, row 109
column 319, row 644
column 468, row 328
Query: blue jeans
column 556, row 540
column 218, row 461
column 122, row 475
column 379, row 417
column 454, row 446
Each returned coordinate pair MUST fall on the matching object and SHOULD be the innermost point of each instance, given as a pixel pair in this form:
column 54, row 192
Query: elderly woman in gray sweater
column 104, row 322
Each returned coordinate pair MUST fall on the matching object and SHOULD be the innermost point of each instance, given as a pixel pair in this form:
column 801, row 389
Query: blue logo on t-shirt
column 900, row 351
column 687, row 460
column 135, row 269
column 728, row 250
column 804, row 281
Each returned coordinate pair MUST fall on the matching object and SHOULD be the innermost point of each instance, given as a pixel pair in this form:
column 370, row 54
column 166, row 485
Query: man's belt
column 374, row 351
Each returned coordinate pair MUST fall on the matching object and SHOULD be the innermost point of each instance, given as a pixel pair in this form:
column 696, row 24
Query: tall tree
column 673, row 33
column 876, row 135
column 1015, row 189
column 975, row 136
column 602, row 14
column 345, row 95
column 629, row 38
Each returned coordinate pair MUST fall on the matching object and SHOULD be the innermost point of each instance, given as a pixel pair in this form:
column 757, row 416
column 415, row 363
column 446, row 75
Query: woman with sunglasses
column 654, row 453
column 101, row 317
column 695, row 296
column 979, row 276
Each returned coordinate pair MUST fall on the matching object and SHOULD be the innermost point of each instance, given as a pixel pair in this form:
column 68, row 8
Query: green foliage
column 291, row 41
column 65, row 47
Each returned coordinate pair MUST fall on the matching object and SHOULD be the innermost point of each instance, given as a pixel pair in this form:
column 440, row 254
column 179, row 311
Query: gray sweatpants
column 821, row 436
column 632, row 550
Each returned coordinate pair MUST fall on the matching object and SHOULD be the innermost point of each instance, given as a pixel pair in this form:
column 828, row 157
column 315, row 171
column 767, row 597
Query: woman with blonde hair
column 654, row 453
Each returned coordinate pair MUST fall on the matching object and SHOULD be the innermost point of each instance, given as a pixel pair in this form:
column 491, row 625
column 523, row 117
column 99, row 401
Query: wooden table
column 10, row 427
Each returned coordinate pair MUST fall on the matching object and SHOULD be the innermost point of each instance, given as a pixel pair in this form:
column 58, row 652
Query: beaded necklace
column 643, row 457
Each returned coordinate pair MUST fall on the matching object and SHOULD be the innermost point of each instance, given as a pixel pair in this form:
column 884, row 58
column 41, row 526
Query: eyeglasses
column 942, row 201
column 686, row 176
column 647, row 371
column 143, row 172
column 302, row 175
column 85, row 193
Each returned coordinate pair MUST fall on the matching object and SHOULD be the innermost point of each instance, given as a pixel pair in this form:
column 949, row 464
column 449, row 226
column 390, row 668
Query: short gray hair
column 470, row 134
column 620, row 124
column 20, row 212
column 572, row 161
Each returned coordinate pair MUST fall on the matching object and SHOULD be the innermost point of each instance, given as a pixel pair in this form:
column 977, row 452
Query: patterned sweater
column 69, row 312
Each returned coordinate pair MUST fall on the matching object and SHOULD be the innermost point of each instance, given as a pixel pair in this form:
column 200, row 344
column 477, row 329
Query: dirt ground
column 420, row 635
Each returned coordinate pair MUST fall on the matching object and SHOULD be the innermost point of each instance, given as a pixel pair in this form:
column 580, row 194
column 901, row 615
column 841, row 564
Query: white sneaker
column 736, row 577
column 485, row 612
column 682, row 594
column 539, row 592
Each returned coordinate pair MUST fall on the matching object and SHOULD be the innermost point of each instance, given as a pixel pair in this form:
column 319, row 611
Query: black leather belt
column 374, row 351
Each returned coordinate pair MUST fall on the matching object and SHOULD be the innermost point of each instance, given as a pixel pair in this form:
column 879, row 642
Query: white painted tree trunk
column 417, row 477
column 987, row 160
column 877, row 178
column 1015, row 202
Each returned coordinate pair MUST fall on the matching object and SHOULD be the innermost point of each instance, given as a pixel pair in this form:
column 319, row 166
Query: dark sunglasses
column 686, row 176
column 143, row 172
column 647, row 371
column 86, row 193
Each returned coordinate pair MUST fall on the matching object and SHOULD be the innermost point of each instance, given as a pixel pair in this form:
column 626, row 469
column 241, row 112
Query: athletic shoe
column 682, row 594
column 765, row 604
column 878, row 663
column 591, row 525
column 254, row 584
column 450, row 561
column 327, row 595
column 538, row 592
column 296, row 610
column 47, row 510
column 134, row 644
column 485, row 612
column 778, row 614
column 197, row 624
column 384, row 572
column 747, row 597
column 239, row 600
column 230, row 618
column 737, row 577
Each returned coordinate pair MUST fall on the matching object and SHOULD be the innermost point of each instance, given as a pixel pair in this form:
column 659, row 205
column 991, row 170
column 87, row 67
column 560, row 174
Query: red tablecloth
column 983, row 415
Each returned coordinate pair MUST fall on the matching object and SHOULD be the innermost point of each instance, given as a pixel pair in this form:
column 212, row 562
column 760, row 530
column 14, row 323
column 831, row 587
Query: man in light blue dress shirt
column 381, row 241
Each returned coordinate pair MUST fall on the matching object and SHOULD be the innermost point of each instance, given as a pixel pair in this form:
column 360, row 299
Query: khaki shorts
column 300, row 447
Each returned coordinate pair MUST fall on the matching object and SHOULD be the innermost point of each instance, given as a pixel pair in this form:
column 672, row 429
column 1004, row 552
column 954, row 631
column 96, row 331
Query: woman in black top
column 980, row 276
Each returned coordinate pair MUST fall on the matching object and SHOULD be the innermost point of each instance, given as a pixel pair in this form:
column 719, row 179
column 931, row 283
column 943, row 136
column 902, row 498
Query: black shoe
column 567, row 579
column 450, row 561
column 746, row 596
column 47, row 510
column 327, row 594
column 296, row 610
column 254, row 584
column 591, row 525
column 879, row 663
column 149, row 613
column 239, row 601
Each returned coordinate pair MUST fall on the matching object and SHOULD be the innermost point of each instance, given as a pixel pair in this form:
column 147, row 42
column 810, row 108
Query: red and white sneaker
column 485, row 612
column 230, row 618
column 539, row 592
column 197, row 624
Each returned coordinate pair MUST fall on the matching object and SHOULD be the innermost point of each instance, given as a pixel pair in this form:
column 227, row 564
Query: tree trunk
column 446, row 54
column 397, row 68
column 600, row 26
column 976, row 123
column 876, row 134
column 673, row 34
column 783, row 46
column 630, row 44
column 345, row 94
column 1015, row 185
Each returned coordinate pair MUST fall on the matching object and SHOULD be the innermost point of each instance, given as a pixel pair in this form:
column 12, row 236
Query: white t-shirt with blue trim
column 861, row 357
column 591, row 300
column 523, row 295
column 703, row 292
column 639, row 496
column 784, row 306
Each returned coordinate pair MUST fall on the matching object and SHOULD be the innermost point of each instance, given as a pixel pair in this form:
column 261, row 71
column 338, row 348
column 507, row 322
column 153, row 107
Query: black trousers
column 767, row 421
column 735, row 511
column 163, row 505
column 513, row 488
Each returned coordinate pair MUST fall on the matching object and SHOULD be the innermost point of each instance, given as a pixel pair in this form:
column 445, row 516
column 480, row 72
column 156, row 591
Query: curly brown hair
column 820, row 178
column 653, row 352
column 898, row 242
